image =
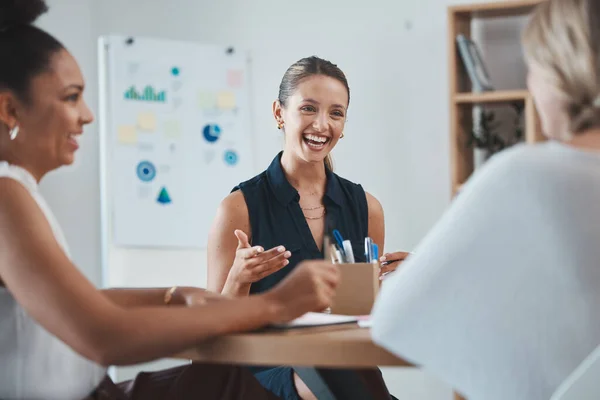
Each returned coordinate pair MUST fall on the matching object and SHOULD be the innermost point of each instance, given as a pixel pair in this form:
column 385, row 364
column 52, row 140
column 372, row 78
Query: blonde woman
column 501, row 299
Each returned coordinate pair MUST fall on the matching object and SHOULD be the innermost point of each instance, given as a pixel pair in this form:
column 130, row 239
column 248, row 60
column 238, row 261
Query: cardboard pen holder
column 357, row 289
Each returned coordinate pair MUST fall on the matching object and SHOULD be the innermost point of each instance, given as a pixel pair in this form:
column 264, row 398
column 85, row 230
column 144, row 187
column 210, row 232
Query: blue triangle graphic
column 163, row 196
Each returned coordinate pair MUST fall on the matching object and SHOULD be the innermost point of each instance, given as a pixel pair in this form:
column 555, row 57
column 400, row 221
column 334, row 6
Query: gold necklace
column 312, row 208
column 319, row 217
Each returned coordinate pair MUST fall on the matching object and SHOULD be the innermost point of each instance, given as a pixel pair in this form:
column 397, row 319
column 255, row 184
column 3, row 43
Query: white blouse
column 34, row 364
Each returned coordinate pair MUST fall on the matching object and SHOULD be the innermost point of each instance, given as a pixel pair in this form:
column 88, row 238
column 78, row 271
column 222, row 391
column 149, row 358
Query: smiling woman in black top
column 285, row 211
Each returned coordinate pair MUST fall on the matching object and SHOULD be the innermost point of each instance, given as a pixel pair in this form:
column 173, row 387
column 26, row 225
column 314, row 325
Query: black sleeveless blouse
column 277, row 219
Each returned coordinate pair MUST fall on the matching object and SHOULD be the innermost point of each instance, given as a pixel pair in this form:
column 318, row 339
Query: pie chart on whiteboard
column 211, row 132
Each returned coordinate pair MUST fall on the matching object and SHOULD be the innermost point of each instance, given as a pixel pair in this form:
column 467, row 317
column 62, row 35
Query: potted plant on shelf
column 485, row 137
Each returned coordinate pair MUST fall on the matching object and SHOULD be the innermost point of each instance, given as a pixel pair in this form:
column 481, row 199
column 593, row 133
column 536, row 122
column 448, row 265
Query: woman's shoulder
column 367, row 203
column 15, row 185
column 353, row 189
column 347, row 183
column 18, row 174
column 522, row 170
column 254, row 183
column 234, row 204
column 14, row 193
column 522, row 162
column 246, row 190
column 519, row 153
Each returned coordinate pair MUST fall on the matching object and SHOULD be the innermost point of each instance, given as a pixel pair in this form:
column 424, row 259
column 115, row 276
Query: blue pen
column 375, row 254
column 338, row 238
column 340, row 241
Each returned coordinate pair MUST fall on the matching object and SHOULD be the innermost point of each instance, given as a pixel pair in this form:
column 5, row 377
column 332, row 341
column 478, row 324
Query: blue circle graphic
column 175, row 71
column 146, row 171
column 211, row 133
column 231, row 157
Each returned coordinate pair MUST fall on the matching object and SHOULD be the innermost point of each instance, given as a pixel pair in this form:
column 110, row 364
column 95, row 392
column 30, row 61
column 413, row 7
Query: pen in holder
column 375, row 259
column 359, row 282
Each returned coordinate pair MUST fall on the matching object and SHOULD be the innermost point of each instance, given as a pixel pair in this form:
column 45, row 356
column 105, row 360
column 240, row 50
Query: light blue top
column 501, row 300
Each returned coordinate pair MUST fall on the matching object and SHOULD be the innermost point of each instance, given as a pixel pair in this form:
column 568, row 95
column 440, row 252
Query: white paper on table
column 316, row 319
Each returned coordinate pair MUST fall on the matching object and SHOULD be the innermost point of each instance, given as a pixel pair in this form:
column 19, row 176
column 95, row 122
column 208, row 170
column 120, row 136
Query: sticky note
column 235, row 78
column 147, row 121
column 226, row 100
column 126, row 134
column 207, row 100
column 172, row 129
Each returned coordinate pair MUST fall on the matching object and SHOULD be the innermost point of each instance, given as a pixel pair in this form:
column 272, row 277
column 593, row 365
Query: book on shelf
column 473, row 62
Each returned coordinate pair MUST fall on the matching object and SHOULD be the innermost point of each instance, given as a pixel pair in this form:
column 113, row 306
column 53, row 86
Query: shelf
column 495, row 9
column 460, row 19
column 497, row 96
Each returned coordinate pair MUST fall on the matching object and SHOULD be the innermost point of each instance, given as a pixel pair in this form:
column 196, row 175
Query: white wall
column 398, row 116
column 73, row 193
column 394, row 54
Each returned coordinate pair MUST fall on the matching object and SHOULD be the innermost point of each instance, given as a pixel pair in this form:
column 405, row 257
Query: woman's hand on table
column 391, row 261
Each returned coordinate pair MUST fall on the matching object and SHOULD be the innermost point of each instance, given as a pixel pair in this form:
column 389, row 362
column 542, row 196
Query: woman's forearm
column 153, row 297
column 141, row 334
column 235, row 289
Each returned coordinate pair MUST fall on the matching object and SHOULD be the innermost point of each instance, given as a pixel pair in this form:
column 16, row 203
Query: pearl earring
column 14, row 132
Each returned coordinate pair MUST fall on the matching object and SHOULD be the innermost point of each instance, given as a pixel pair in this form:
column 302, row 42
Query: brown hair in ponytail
column 306, row 68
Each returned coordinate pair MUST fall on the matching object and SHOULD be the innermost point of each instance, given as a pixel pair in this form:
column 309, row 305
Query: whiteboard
column 177, row 131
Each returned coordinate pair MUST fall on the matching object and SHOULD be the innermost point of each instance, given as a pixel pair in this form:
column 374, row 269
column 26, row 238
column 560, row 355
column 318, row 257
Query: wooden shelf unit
column 497, row 96
column 462, row 99
column 495, row 9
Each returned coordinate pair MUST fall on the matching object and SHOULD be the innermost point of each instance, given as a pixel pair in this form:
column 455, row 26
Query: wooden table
column 346, row 346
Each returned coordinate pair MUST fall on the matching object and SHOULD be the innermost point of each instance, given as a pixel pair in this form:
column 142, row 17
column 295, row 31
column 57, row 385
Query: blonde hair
column 563, row 38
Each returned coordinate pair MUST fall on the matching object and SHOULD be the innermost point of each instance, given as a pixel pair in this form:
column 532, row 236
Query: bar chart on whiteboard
column 178, row 138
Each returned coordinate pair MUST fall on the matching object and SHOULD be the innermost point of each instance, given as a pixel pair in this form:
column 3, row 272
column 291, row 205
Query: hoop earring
column 342, row 135
column 14, row 132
